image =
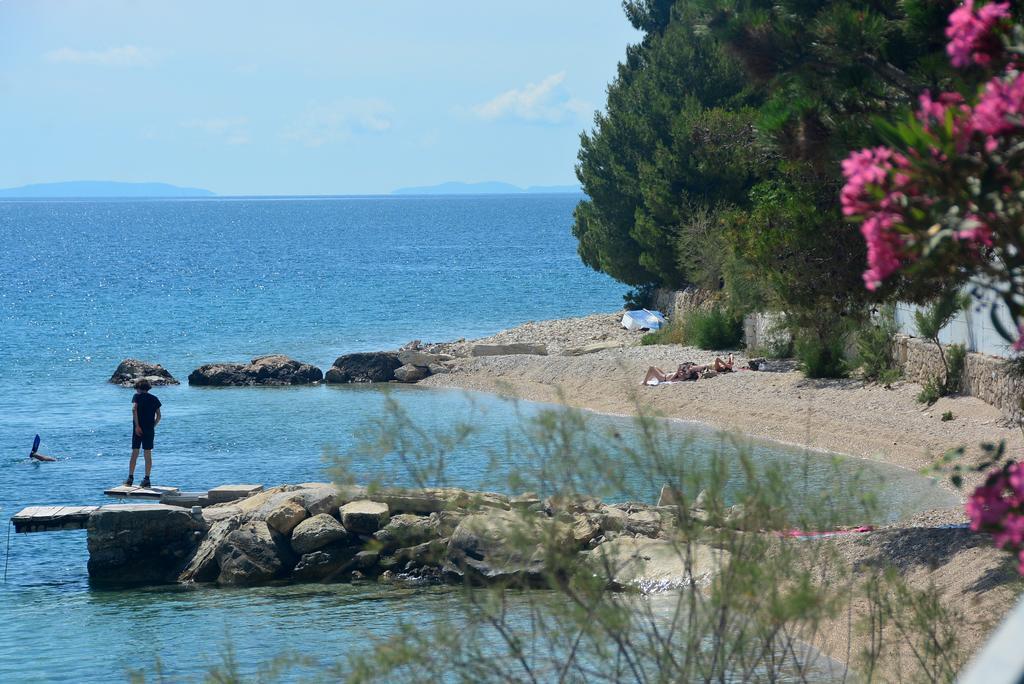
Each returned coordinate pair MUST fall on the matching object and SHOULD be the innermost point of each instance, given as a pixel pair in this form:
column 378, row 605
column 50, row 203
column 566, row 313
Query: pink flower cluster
column 971, row 35
column 1001, row 109
column 874, row 192
column 998, row 507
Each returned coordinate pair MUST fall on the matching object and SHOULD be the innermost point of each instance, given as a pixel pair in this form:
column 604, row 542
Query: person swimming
column 35, row 455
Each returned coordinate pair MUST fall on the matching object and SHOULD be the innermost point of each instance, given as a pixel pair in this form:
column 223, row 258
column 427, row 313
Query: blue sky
column 302, row 98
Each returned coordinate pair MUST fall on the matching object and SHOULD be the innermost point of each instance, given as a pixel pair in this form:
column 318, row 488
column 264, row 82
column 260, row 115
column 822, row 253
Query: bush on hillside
column 716, row 329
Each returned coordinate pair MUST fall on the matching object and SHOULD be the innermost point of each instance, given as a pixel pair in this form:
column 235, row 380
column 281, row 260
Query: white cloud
column 340, row 120
column 547, row 101
column 233, row 130
column 124, row 56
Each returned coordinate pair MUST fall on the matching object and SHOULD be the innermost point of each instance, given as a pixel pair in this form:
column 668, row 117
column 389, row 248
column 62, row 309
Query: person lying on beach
column 685, row 371
column 723, row 366
column 689, row 371
column 35, row 455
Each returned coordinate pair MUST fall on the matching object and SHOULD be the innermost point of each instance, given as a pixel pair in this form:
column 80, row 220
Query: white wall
column 972, row 328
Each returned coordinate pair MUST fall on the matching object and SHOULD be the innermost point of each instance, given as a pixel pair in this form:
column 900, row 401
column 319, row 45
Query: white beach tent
column 638, row 320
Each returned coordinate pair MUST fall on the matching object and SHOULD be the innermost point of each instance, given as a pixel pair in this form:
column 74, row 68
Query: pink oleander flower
column 1020, row 557
column 970, row 33
column 932, row 112
column 986, row 507
column 1016, row 481
column 1000, row 109
column 1012, row 532
column 868, row 173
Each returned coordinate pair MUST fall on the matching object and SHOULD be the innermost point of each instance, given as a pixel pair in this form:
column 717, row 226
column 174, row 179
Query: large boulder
column 263, row 370
column 654, row 564
column 203, row 566
column 407, row 530
column 364, row 367
column 253, row 554
column 286, row 516
column 326, row 564
column 131, row 371
column 421, row 358
column 410, row 373
column 317, row 532
column 506, row 349
column 315, row 497
column 497, row 546
column 141, row 543
column 364, row 517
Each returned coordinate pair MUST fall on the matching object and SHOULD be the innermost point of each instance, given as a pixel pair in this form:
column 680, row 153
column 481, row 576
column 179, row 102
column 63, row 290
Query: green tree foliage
column 718, row 155
column 676, row 134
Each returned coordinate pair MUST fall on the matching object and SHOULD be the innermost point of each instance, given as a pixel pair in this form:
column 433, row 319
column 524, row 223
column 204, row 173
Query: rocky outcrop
column 253, row 554
column 364, row 517
column 131, row 371
column 263, row 370
column 141, row 543
column 497, row 546
column 506, row 349
column 364, row 367
column 410, row 373
column 654, row 564
column 317, row 532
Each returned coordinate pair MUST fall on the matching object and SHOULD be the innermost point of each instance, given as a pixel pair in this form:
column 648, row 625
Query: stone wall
column 985, row 376
column 677, row 303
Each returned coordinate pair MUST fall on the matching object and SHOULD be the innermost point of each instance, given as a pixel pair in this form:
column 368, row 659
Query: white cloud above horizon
column 232, row 130
column 122, row 56
column 545, row 102
column 339, row 121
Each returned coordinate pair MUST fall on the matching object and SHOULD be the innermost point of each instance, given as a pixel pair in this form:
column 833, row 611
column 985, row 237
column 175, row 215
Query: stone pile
column 130, row 371
column 272, row 370
column 319, row 533
column 408, row 365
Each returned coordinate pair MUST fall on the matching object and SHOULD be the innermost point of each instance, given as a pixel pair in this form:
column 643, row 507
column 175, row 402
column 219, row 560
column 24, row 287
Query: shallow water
column 84, row 284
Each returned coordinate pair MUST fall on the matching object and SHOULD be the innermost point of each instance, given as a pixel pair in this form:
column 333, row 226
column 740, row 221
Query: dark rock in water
column 407, row 530
column 131, row 371
column 253, row 554
column 410, row 373
column 364, row 367
column 141, row 543
column 326, row 564
column 263, row 370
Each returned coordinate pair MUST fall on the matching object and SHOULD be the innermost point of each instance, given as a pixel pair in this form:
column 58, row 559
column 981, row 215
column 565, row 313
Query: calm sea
column 84, row 284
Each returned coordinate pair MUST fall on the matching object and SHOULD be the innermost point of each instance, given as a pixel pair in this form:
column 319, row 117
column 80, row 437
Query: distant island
column 486, row 188
column 102, row 189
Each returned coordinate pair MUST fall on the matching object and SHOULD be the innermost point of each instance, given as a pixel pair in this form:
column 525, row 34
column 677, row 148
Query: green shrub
column 931, row 392
column 947, row 416
column 956, row 356
column 822, row 357
column 875, row 348
column 670, row 333
column 715, row 329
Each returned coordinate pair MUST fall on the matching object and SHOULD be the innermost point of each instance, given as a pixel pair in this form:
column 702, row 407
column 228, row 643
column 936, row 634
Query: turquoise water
column 84, row 284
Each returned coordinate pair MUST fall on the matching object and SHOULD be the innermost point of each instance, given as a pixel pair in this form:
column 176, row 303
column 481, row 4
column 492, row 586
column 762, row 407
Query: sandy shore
column 843, row 416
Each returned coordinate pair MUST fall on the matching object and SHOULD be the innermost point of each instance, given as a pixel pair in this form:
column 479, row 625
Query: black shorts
column 145, row 440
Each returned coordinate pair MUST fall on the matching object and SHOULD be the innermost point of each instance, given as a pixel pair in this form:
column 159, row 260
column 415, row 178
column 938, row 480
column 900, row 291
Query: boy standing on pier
column 145, row 418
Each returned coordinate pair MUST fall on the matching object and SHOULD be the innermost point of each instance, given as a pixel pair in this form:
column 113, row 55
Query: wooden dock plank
column 51, row 518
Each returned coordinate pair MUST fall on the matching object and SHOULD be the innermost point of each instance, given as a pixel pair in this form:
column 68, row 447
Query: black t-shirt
column 147, row 405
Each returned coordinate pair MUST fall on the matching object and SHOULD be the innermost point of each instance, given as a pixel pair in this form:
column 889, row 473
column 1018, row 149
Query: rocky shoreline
column 316, row 532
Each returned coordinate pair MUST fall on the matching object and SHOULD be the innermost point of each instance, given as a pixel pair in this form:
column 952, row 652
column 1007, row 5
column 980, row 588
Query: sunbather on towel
column 723, row 366
column 688, row 371
column 685, row 371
